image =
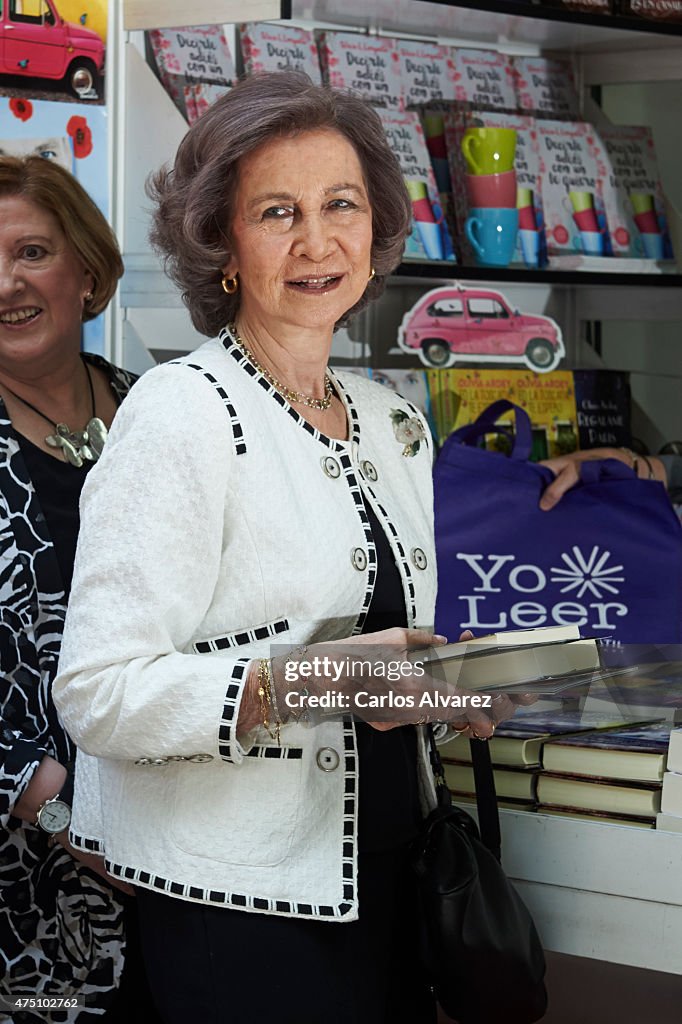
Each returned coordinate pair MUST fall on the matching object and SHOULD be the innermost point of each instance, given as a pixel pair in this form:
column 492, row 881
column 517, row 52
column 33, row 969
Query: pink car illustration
column 36, row 42
column 456, row 324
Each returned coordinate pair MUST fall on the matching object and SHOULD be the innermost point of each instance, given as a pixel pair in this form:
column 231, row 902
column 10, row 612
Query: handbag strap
column 486, row 424
column 486, row 797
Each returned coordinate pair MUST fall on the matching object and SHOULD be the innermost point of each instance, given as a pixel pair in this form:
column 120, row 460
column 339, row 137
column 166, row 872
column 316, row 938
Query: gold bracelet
column 266, row 699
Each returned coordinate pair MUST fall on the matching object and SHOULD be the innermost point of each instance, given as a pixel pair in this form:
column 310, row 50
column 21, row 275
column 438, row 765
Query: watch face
column 54, row 817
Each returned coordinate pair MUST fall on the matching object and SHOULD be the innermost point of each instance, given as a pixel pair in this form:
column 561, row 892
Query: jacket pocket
column 240, row 815
column 241, row 637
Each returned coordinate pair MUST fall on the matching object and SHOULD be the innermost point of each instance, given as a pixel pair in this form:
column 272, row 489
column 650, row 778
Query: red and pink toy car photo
column 36, row 42
column 455, row 324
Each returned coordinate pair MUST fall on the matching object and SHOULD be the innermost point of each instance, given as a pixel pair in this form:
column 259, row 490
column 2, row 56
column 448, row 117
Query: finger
column 501, row 708
column 566, row 479
column 480, row 724
column 466, row 635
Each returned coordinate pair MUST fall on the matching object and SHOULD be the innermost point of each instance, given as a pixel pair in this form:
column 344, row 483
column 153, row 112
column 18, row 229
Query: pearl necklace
column 322, row 404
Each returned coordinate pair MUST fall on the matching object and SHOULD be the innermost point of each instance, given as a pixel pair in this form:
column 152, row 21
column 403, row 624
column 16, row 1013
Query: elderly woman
column 250, row 496
column 61, row 923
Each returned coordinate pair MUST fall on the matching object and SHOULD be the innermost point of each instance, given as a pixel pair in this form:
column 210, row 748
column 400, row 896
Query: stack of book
column 594, row 765
column 670, row 815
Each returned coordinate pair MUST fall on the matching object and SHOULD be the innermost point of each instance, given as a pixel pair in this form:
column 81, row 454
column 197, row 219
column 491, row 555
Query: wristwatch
column 54, row 814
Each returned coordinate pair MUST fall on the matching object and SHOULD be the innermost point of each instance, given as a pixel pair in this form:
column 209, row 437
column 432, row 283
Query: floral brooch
column 408, row 430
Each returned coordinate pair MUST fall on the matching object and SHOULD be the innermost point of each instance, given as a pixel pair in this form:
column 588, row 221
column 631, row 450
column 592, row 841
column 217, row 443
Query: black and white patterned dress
column 61, row 927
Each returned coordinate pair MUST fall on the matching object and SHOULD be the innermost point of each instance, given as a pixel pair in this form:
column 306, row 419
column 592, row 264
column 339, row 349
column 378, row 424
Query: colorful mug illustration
column 492, row 234
column 489, row 150
column 426, row 223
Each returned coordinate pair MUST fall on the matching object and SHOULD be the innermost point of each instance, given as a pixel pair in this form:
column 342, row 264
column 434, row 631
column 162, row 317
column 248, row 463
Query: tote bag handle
column 485, row 424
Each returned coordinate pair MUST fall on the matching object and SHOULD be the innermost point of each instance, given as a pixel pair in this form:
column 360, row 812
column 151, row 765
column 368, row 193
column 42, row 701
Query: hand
column 566, row 469
column 94, row 863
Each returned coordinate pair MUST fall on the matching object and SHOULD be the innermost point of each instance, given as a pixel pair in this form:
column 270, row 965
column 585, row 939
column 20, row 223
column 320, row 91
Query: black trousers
column 221, row 966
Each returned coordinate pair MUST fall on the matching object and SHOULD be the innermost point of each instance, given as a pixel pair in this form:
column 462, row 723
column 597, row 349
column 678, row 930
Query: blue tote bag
column 607, row 558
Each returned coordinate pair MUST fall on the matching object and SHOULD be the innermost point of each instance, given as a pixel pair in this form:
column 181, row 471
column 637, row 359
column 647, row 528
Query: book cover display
column 459, row 396
column 186, row 56
column 53, row 49
column 279, row 48
column 634, row 177
column 430, row 238
column 427, row 71
column 546, row 87
column 484, row 79
column 367, row 65
column 572, row 189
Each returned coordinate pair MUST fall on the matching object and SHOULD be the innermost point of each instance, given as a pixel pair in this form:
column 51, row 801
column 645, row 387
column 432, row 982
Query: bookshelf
column 143, row 136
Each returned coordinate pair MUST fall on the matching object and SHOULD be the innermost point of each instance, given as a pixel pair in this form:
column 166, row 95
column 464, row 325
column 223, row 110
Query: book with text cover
column 637, row 193
column 430, row 238
column 279, row 47
column 572, row 189
column 484, row 79
column 368, row 66
column 427, row 71
column 637, row 799
column 519, row 741
column 184, row 56
column 545, row 86
column 637, row 753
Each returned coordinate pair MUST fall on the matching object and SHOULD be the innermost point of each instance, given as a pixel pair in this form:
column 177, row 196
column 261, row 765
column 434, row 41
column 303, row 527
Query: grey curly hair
column 194, row 197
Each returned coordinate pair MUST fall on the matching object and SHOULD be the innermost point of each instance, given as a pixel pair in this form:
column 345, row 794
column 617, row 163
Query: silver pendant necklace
column 78, row 446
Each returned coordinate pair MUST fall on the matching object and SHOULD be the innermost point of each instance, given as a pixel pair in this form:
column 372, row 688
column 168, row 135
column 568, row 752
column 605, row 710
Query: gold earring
column 230, row 284
column 372, row 275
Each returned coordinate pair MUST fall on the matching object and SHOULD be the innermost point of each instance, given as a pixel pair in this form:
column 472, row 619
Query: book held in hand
column 546, row 661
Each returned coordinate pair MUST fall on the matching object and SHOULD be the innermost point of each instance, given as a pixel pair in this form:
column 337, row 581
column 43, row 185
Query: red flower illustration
column 23, row 109
column 77, row 128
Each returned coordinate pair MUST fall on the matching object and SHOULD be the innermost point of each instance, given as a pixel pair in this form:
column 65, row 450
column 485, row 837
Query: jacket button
column 331, row 467
column 359, row 559
column 327, row 759
column 143, row 761
column 368, row 471
column 419, row 559
column 199, row 758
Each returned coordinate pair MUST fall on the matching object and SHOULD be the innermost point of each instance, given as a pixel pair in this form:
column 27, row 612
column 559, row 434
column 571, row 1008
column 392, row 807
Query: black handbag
column 479, row 944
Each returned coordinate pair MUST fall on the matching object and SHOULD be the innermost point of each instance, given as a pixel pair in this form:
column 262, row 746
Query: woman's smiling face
column 301, row 234
column 42, row 285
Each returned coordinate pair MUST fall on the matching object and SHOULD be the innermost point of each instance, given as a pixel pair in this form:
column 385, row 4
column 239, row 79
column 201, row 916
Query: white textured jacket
column 217, row 522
